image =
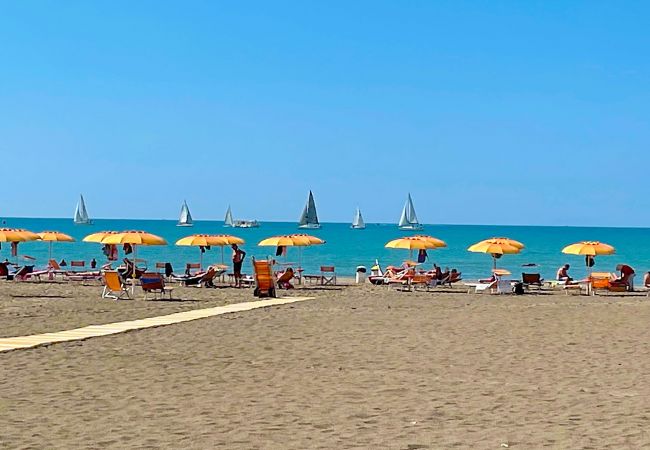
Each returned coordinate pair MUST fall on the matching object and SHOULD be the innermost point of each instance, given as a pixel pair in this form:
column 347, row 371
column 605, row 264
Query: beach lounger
column 265, row 284
column 114, row 286
column 532, row 280
column 154, row 283
column 205, row 279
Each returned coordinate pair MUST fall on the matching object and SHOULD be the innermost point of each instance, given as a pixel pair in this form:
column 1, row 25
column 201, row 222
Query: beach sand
column 357, row 367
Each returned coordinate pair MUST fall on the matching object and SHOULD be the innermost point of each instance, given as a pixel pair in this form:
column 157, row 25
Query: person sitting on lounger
column 646, row 279
column 284, row 280
column 563, row 274
column 626, row 277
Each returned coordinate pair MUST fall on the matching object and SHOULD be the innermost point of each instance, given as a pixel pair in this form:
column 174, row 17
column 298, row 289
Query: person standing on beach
column 238, row 256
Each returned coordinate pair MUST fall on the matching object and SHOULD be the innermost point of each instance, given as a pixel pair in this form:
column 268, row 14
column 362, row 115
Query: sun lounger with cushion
column 154, row 283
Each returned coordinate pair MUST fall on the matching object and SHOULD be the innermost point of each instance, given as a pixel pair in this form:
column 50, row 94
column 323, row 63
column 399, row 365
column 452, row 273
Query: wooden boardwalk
column 77, row 334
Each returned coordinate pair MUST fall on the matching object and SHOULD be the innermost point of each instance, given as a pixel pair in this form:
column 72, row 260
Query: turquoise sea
column 347, row 248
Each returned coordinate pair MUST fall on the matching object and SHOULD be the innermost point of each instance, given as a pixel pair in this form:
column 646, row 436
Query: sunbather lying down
column 284, row 280
column 201, row 278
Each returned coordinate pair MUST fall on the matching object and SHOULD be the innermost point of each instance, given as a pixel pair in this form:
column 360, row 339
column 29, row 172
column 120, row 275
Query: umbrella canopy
column 29, row 235
column 230, row 239
column 133, row 238
column 98, row 237
column 415, row 243
column 589, row 248
column 438, row 242
column 55, row 236
column 292, row 240
column 206, row 240
column 202, row 240
column 497, row 246
column 287, row 240
column 12, row 235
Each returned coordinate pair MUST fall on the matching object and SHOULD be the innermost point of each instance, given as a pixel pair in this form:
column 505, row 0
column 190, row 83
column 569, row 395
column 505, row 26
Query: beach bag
column 519, row 289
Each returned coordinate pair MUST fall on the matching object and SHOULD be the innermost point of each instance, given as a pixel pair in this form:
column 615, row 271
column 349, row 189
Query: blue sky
column 487, row 112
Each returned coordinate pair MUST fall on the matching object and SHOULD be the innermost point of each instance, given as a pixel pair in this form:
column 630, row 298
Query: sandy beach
column 356, row 367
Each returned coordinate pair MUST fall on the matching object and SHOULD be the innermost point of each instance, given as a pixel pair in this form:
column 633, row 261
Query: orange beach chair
column 265, row 283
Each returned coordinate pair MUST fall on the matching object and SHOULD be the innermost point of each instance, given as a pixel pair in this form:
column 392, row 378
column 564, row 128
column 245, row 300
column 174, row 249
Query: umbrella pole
column 200, row 259
column 50, row 257
column 222, row 252
column 135, row 262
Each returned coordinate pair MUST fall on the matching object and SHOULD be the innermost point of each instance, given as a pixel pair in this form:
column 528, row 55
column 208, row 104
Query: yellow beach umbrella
column 292, row 240
column 54, row 236
column 12, row 235
column 203, row 240
column 98, row 237
column 411, row 243
column 17, row 235
column 133, row 238
column 589, row 249
column 439, row 243
column 497, row 247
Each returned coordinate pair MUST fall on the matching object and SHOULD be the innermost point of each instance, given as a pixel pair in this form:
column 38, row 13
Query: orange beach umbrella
column 54, row 236
column 292, row 240
column 497, row 247
column 16, row 235
column 133, row 238
column 208, row 240
column 589, row 249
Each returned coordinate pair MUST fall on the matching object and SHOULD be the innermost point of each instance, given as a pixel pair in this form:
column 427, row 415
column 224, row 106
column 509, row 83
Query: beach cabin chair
column 265, row 284
column 192, row 266
column 74, row 264
column 599, row 281
column 114, row 286
column 421, row 280
column 532, row 280
column 327, row 275
column 154, row 283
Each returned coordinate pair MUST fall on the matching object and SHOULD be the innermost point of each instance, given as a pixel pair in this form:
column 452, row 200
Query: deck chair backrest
column 112, row 280
column 160, row 265
column 599, row 282
column 263, row 274
column 4, row 270
column 209, row 275
column 52, row 264
column 327, row 269
column 77, row 263
column 190, row 266
column 531, row 278
column 151, row 281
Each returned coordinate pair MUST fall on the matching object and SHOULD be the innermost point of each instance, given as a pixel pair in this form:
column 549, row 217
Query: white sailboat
column 309, row 218
column 227, row 221
column 185, row 219
column 408, row 219
column 81, row 214
column 358, row 223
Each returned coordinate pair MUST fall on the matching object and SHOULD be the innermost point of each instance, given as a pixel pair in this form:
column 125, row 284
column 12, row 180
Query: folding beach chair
column 532, row 279
column 265, row 284
column 327, row 275
column 114, row 286
column 154, row 283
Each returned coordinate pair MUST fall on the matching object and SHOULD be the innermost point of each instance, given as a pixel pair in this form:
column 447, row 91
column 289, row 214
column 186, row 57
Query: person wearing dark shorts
column 238, row 256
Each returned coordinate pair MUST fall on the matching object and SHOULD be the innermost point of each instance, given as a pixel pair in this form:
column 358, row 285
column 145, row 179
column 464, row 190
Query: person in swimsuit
column 238, row 256
column 563, row 274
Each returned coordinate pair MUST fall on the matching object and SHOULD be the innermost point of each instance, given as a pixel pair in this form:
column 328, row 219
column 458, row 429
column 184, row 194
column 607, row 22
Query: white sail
column 309, row 217
column 185, row 219
column 358, row 222
column 80, row 213
column 409, row 220
column 227, row 221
